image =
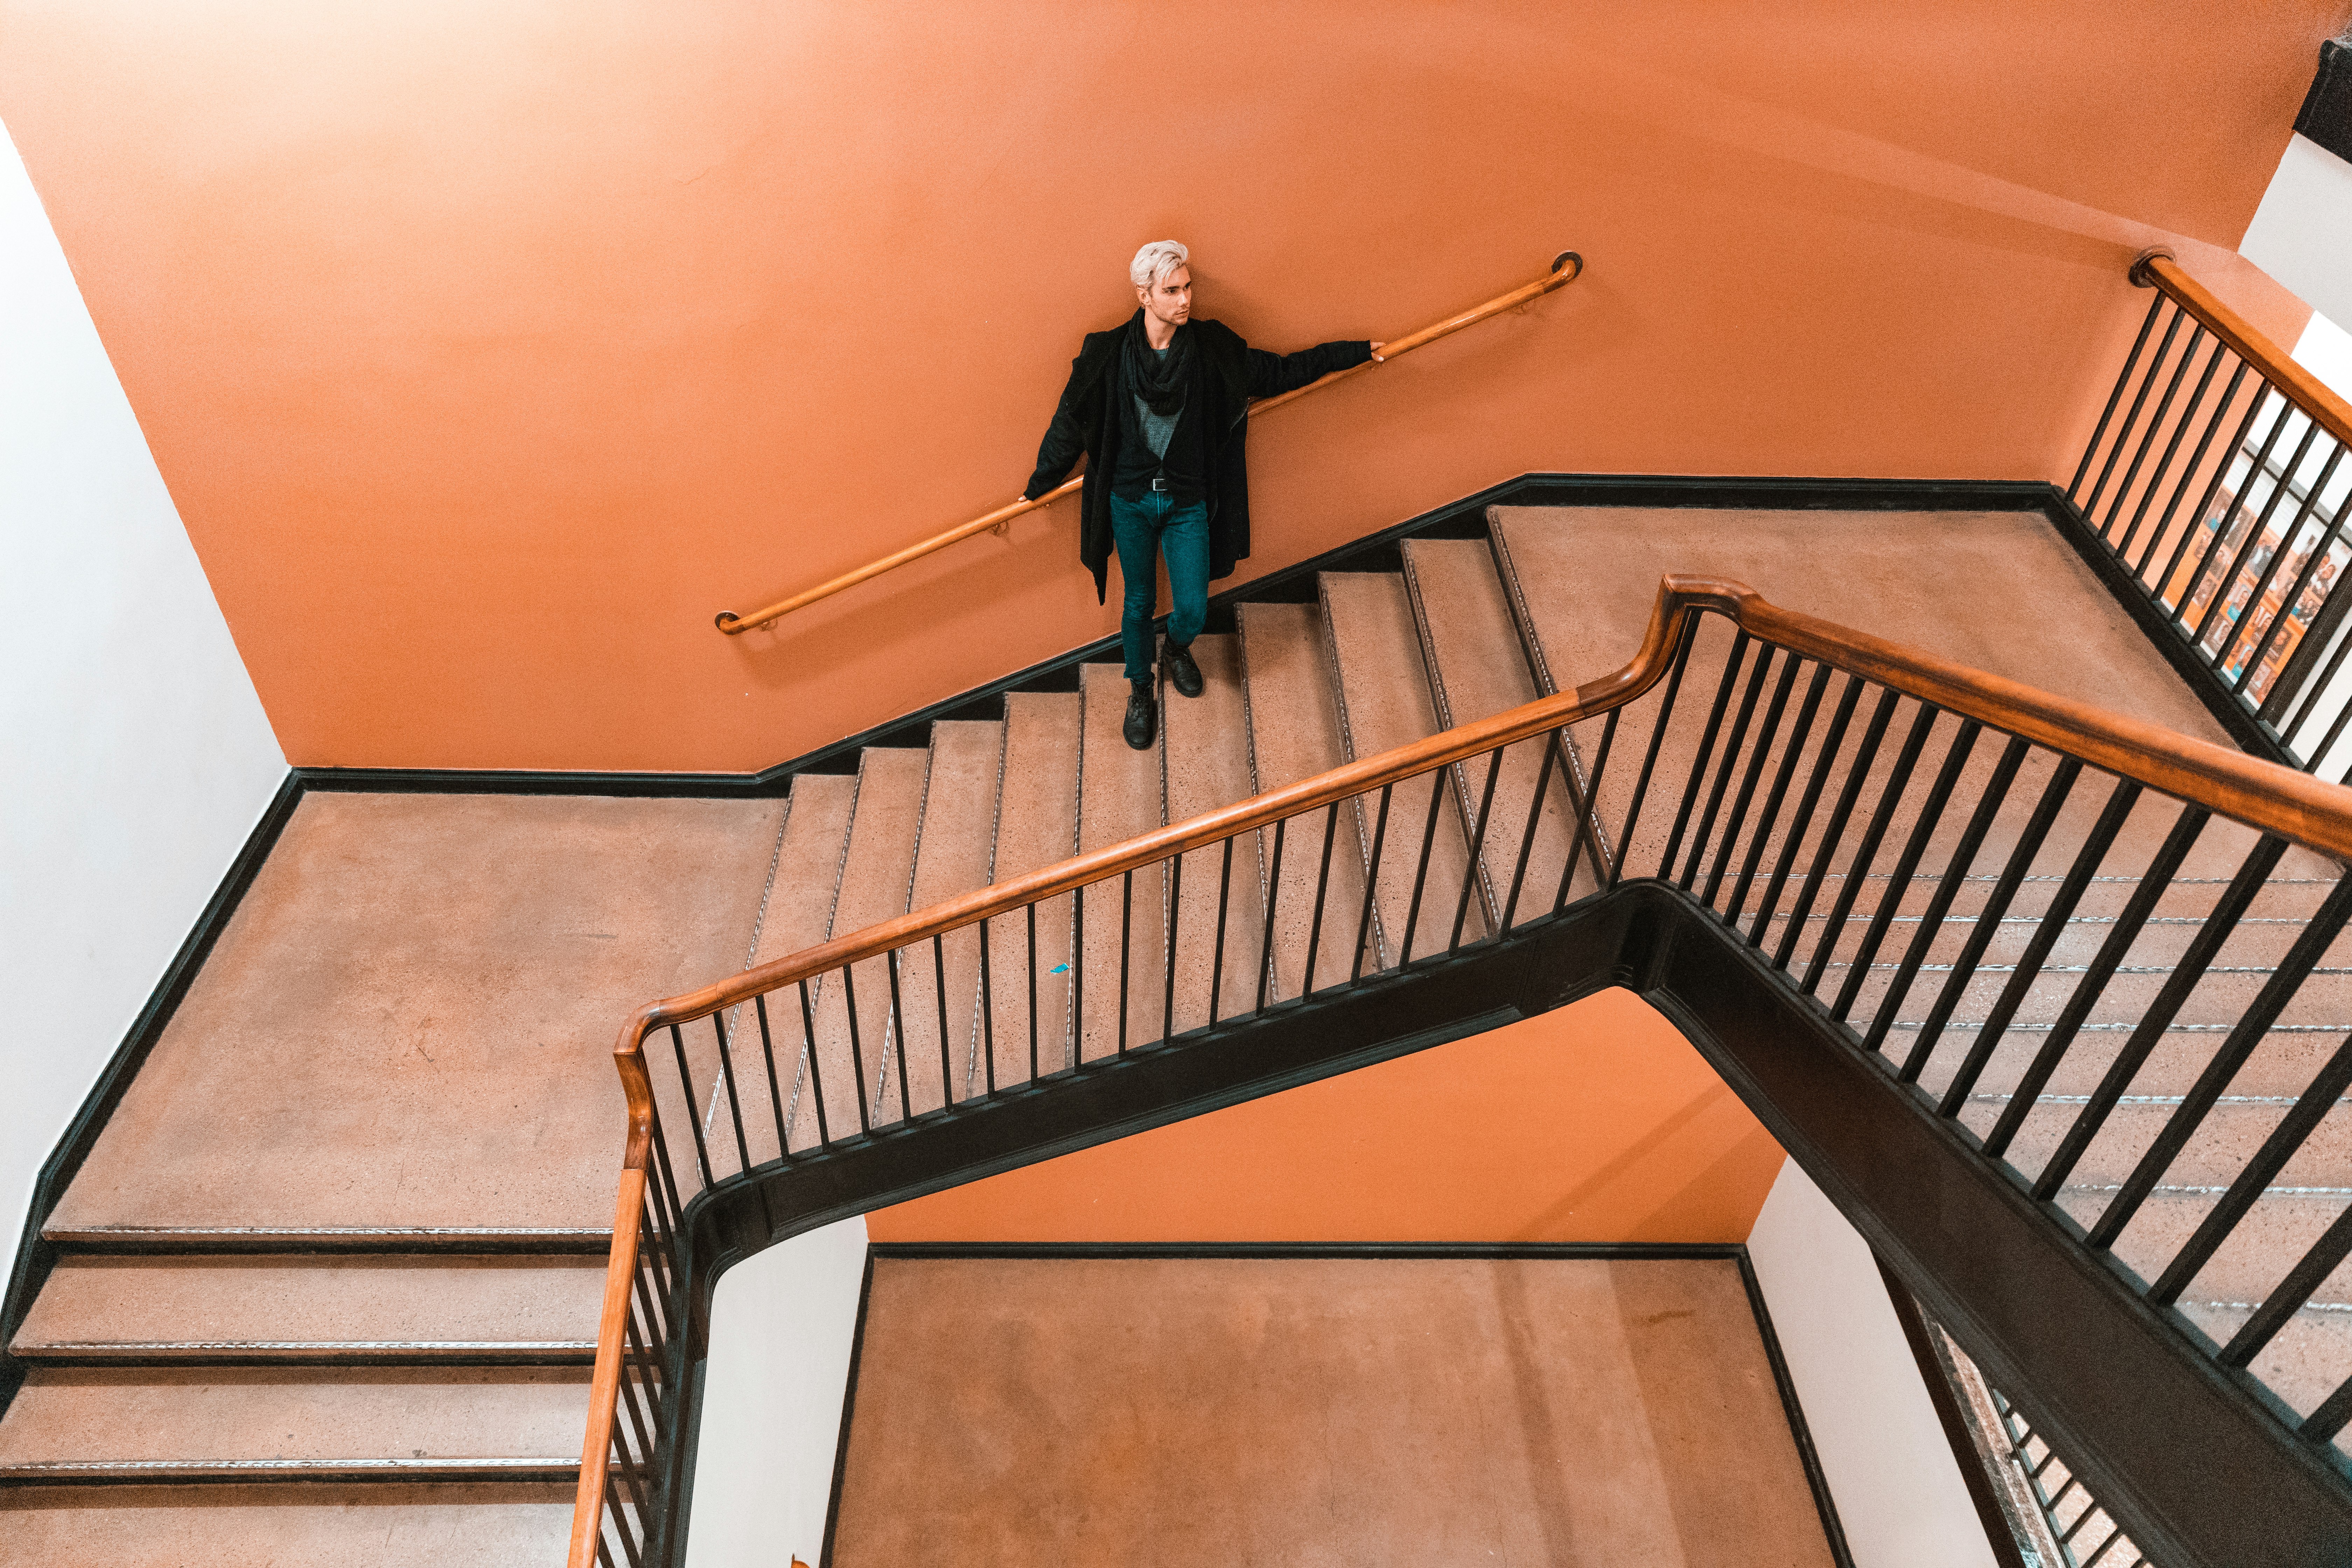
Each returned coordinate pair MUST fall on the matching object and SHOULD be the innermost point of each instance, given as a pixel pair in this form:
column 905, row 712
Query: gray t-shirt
column 1157, row 427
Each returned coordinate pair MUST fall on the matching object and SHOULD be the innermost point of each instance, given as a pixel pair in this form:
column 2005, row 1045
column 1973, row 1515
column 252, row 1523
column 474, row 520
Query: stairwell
column 285, row 1365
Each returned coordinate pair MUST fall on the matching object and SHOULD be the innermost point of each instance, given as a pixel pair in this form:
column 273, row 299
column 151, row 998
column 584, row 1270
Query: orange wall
column 1594, row 1122
column 490, row 348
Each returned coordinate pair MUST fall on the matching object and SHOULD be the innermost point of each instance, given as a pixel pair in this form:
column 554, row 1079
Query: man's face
column 1169, row 299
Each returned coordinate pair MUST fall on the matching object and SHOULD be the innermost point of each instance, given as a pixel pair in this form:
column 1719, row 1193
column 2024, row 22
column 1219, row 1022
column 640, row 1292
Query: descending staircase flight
column 201, row 1360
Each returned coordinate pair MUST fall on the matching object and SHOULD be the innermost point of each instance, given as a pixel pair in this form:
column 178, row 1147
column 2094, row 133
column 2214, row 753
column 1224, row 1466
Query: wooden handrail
column 1566, row 267
column 2261, row 794
column 2157, row 270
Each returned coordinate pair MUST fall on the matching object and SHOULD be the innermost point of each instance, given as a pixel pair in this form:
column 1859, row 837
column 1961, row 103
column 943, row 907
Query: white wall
column 2302, row 233
column 1890, row 1467
column 780, row 1329
column 134, row 758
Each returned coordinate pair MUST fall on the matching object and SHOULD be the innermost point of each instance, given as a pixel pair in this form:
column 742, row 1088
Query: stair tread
column 877, row 869
column 1294, row 735
column 448, row 1525
column 94, row 1306
column 219, row 1418
column 1121, row 796
column 1037, row 826
column 1204, row 747
column 951, row 858
column 1477, row 669
column 1383, row 685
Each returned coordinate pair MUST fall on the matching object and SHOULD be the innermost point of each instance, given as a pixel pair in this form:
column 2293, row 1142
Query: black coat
column 1226, row 374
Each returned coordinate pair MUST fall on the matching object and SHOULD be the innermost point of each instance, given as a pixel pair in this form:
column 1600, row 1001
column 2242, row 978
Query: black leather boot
column 1142, row 716
column 1183, row 673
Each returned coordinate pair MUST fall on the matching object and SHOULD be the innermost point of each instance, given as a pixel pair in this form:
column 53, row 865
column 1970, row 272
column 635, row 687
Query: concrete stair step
column 403, row 1310
column 2228, row 1135
column 1477, row 669
column 2284, row 1063
column 368, row 1524
column 1036, row 825
column 951, row 858
column 1206, row 750
column 2302, row 1365
column 1122, row 795
column 2256, row 1256
column 856, row 1065
column 1294, row 735
column 282, row 1423
column 1381, row 681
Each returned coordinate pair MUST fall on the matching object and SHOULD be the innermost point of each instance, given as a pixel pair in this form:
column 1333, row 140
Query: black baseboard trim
column 1368, row 1251
column 1378, row 551
column 35, row 1256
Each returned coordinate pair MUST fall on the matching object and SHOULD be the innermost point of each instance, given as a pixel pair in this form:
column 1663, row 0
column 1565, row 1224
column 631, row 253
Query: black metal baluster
column 940, row 986
column 2045, row 936
column 2151, row 887
column 1217, row 948
column 1865, row 755
column 1528, row 838
column 2131, row 420
column 2179, row 432
column 1906, row 867
column 1074, row 1035
column 898, row 1032
column 2262, row 522
column 1371, row 884
column 693, row 1106
column 1585, row 800
column 2303, row 578
column 1989, row 917
column 768, row 1056
column 1650, row 754
column 2196, row 519
column 2296, row 678
column 1705, row 752
column 1273, row 893
column 1799, row 733
column 1126, row 949
column 2322, row 1424
column 2195, row 960
column 1477, row 847
column 1824, row 759
column 2286, row 1141
column 1939, row 905
column 734, row 1105
column 2281, row 1306
column 816, row 1073
column 1322, row 886
column 2155, row 306
column 987, row 1012
column 856, row 1047
column 1731, row 749
column 1421, row 871
column 1758, row 755
column 2244, row 1036
column 1029, row 916
column 1167, row 964
column 1858, row 871
column 2155, row 424
column 2188, row 477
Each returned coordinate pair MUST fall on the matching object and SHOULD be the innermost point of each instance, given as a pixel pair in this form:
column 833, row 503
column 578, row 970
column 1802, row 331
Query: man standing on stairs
column 1159, row 408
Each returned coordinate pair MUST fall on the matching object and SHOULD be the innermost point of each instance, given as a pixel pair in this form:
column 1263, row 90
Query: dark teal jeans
column 1145, row 528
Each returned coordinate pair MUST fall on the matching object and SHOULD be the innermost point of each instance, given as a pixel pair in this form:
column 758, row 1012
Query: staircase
column 222, row 1368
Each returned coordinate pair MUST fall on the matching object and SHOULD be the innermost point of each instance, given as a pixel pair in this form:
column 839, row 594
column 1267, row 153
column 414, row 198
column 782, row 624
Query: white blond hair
column 1156, row 262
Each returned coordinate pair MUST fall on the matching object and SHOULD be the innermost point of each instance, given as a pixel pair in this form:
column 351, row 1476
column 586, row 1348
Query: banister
column 1566, row 267
column 2159, row 271
column 2294, row 805
column 2276, row 800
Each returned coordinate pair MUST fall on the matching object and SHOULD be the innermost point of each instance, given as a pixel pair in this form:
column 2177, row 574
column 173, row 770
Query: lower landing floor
column 1299, row 1411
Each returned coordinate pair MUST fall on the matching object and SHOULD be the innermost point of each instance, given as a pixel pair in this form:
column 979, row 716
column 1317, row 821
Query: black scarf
column 1143, row 373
